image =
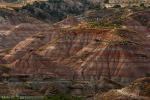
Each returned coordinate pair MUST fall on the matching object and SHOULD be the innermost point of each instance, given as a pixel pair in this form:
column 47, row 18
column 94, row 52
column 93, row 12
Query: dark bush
column 117, row 6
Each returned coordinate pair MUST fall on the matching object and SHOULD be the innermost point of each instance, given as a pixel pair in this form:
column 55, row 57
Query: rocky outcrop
column 138, row 90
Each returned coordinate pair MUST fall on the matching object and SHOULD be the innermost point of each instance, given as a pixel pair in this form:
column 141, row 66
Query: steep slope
column 15, row 27
column 91, row 53
column 32, row 63
column 69, row 50
column 35, row 41
column 140, row 22
column 24, row 52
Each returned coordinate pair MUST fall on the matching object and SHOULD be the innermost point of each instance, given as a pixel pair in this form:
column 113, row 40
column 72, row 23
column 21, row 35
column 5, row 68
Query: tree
column 142, row 5
column 147, row 74
column 106, row 1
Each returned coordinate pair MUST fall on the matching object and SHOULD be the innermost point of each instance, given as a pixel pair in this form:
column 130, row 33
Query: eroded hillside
column 94, row 52
column 75, row 52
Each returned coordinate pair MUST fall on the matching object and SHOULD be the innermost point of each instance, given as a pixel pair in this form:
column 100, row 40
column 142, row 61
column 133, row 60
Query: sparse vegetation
column 54, row 97
column 101, row 24
column 113, row 21
column 124, row 42
column 56, row 10
column 121, row 32
column 120, row 42
column 63, row 97
column 44, row 11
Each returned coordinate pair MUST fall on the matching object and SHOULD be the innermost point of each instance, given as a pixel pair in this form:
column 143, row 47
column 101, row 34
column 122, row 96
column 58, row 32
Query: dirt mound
column 138, row 90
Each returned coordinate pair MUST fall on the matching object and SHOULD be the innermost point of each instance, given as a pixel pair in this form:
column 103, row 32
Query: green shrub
column 121, row 42
column 106, row 1
column 124, row 42
column 95, row 24
column 142, row 5
column 121, row 33
column 147, row 74
column 55, row 1
column 148, row 25
column 116, row 6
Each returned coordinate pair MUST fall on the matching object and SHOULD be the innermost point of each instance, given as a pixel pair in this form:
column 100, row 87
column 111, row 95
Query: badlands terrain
column 84, row 50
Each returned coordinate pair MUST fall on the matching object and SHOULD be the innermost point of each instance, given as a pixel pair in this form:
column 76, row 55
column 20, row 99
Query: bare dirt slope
column 68, row 50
